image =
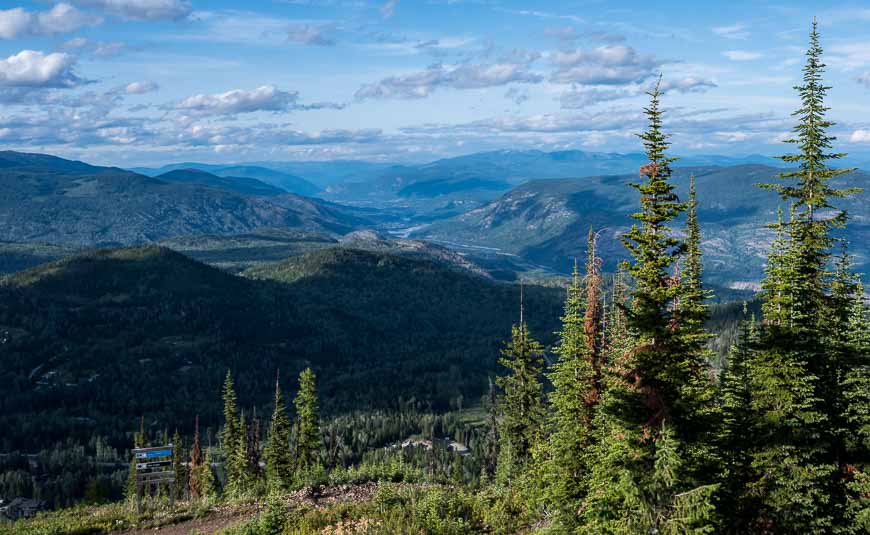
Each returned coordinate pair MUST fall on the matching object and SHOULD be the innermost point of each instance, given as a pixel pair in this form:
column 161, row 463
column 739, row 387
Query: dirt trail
column 225, row 517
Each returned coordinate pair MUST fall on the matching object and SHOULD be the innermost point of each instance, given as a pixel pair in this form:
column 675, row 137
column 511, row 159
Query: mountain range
column 495, row 210
column 478, row 176
column 546, row 221
column 57, row 201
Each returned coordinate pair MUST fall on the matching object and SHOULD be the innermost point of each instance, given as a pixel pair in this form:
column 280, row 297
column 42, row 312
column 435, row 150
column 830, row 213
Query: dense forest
column 624, row 423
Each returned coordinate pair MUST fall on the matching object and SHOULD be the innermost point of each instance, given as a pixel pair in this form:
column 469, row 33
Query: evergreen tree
column 178, row 466
column 491, row 453
column 734, row 440
column 693, row 306
column 196, row 480
column 800, row 461
column 308, row 440
column 658, row 392
column 521, row 404
column 577, row 383
column 237, row 462
column 205, row 478
column 279, row 464
column 230, row 434
column 140, row 440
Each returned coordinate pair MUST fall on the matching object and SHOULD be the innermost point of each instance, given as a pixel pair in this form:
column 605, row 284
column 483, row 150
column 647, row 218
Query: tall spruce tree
column 279, row 463
column 653, row 411
column 521, row 404
column 178, row 466
column 734, row 439
column 196, row 479
column 237, row 462
column 800, row 460
column 693, row 307
column 230, row 434
column 577, row 383
column 309, row 442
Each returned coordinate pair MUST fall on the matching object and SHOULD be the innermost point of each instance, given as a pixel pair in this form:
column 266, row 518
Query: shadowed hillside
column 95, row 340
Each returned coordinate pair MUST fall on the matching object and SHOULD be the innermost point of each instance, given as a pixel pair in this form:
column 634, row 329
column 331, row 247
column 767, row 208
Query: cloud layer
column 143, row 9
column 62, row 18
column 473, row 76
column 31, row 68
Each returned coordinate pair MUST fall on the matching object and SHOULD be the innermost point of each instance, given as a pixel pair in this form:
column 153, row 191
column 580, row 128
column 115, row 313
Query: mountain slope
column 238, row 184
column 57, row 201
column 114, row 334
column 545, row 221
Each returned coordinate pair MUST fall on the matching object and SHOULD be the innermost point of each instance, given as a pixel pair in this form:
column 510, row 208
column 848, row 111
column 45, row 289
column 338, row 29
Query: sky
column 148, row 82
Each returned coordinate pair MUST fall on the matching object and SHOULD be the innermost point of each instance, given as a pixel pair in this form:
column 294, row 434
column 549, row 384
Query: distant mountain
column 292, row 183
column 546, row 221
column 238, row 184
column 110, row 335
column 52, row 200
column 329, row 173
column 316, row 174
column 477, row 177
column 284, row 181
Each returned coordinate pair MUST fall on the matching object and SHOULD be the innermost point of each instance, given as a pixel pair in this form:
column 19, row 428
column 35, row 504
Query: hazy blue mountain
column 546, row 221
column 52, row 200
column 477, row 177
column 239, row 184
column 292, row 183
column 285, row 181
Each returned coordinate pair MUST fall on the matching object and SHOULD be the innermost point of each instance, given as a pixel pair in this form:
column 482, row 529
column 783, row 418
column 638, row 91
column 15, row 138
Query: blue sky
column 143, row 82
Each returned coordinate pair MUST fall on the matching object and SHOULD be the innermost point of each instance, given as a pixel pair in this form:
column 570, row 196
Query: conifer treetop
column 809, row 186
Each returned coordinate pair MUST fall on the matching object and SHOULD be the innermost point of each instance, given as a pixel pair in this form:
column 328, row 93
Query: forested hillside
column 96, row 340
column 57, row 201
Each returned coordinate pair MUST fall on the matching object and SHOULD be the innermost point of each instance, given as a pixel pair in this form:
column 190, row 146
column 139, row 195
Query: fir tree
column 735, row 440
column 801, row 459
column 693, row 307
column 237, row 462
column 279, row 464
column 577, row 384
column 253, row 438
column 205, row 478
column 178, row 466
column 308, row 440
column 491, row 452
column 196, row 481
column 658, row 392
column 521, row 405
column 230, row 434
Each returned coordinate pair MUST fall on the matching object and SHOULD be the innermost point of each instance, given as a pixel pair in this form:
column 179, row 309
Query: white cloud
column 388, row 9
column 860, row 136
column 31, row 68
column 143, row 9
column 689, row 84
column 62, row 18
column 140, row 88
column 310, row 34
column 604, row 65
column 99, row 49
column 264, row 98
column 731, row 137
column 517, row 95
column 735, row 31
column 471, row 76
column 741, row 55
column 582, row 96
